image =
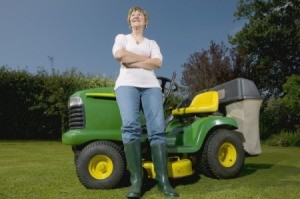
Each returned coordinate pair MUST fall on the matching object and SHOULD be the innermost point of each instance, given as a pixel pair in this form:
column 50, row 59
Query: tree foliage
column 291, row 102
column 209, row 68
column 269, row 42
column 272, row 118
column 282, row 114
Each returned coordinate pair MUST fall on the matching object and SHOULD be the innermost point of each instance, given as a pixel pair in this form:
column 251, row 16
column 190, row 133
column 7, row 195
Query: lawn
column 36, row 169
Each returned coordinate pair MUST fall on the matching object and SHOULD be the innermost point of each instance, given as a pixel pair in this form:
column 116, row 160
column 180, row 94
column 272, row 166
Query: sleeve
column 155, row 51
column 120, row 42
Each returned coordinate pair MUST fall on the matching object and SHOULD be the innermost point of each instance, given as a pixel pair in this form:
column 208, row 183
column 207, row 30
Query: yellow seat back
column 202, row 103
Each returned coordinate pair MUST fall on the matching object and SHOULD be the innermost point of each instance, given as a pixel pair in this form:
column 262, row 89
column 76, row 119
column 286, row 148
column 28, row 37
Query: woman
column 138, row 86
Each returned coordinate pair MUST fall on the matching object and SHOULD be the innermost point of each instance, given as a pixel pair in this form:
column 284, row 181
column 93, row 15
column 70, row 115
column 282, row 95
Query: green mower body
column 209, row 143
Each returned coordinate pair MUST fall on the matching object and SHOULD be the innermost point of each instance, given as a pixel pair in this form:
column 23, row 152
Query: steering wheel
column 168, row 86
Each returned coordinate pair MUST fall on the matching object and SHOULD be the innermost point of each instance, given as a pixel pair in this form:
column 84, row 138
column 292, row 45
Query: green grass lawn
column 33, row 169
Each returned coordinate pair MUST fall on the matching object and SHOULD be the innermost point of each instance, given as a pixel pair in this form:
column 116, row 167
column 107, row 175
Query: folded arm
column 132, row 60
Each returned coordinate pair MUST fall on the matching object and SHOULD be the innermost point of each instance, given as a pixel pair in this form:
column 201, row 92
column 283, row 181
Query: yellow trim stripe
column 104, row 95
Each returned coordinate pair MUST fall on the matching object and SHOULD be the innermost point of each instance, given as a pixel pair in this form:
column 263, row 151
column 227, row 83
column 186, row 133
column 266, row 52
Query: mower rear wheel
column 100, row 165
column 223, row 155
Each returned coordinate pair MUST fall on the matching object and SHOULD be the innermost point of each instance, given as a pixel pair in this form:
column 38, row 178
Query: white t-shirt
column 137, row 77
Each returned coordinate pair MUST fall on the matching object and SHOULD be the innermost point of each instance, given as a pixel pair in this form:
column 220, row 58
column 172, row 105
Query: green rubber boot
column 159, row 158
column 134, row 165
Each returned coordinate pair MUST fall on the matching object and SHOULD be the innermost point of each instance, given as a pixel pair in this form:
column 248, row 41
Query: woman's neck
column 137, row 32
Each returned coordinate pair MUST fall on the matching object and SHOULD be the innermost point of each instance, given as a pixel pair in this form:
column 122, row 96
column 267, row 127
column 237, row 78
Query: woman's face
column 137, row 19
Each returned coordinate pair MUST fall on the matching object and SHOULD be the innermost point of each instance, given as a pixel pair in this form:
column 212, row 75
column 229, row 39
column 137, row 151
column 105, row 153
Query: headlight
column 75, row 101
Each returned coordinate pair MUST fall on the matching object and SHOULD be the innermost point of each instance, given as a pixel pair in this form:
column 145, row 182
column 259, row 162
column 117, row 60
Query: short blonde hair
column 141, row 10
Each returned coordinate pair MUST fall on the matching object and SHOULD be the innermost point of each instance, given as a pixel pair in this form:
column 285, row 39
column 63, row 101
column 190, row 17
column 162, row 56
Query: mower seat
column 206, row 102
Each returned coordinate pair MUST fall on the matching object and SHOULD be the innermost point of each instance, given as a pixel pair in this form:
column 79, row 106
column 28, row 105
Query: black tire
column 76, row 153
column 223, row 155
column 100, row 165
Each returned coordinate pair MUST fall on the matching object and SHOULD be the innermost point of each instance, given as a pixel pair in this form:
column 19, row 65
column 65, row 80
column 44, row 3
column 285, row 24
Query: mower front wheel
column 100, row 165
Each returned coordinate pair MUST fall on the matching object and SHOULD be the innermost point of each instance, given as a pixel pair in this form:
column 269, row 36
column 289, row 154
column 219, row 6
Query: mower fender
column 78, row 137
column 207, row 125
column 193, row 136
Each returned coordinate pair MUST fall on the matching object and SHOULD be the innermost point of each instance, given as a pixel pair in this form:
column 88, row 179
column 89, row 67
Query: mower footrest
column 177, row 168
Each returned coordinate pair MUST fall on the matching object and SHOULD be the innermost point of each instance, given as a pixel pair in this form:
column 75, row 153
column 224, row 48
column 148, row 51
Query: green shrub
column 35, row 106
column 286, row 139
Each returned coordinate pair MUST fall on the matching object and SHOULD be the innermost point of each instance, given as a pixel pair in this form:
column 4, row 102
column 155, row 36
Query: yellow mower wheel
column 227, row 154
column 100, row 167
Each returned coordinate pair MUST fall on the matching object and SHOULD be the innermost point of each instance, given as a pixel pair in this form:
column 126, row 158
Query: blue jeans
column 129, row 100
